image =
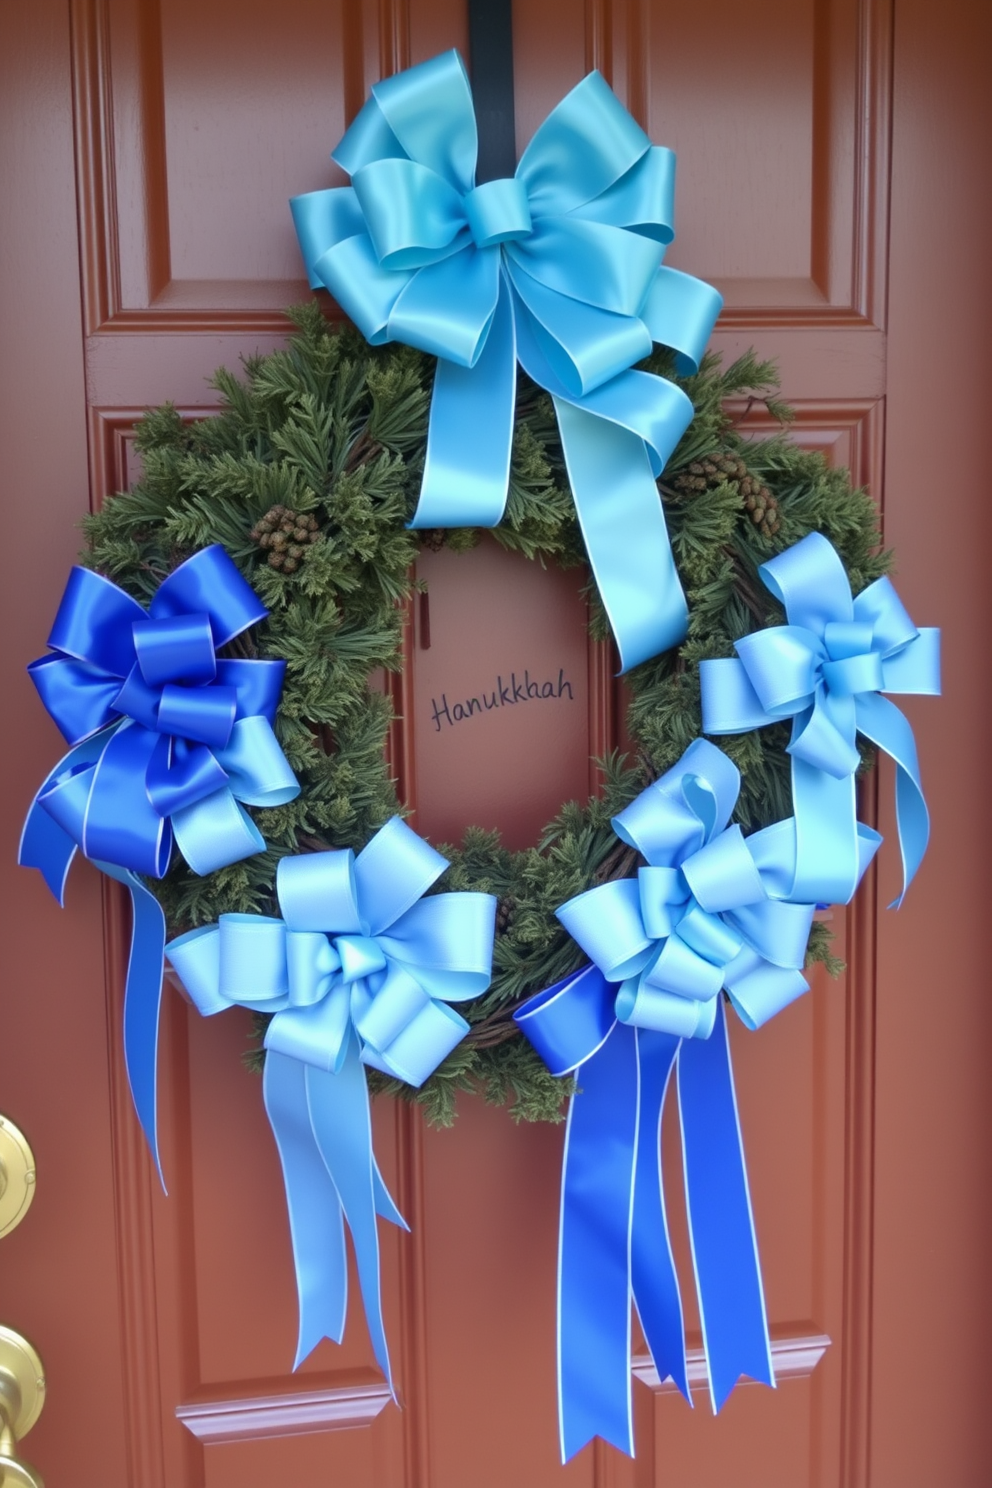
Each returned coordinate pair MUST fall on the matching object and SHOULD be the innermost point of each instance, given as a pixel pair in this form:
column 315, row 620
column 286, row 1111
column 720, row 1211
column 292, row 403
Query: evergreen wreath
column 307, row 477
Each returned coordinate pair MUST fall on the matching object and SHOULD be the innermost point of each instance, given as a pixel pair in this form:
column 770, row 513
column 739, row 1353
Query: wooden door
column 832, row 158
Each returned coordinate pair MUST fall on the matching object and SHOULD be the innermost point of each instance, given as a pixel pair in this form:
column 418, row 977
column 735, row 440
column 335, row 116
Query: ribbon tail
column 316, row 1222
column 828, row 866
column 342, row 1125
column 887, row 726
column 721, row 1222
column 626, row 538
column 470, row 435
column 142, row 1003
column 384, row 1203
column 45, row 846
column 655, row 1284
column 594, row 1250
column 48, row 842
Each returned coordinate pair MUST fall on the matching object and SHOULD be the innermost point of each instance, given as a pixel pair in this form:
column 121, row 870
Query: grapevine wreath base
column 307, row 477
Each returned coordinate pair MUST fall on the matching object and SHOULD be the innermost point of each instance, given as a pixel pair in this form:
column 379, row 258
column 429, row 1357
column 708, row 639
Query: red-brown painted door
column 832, row 159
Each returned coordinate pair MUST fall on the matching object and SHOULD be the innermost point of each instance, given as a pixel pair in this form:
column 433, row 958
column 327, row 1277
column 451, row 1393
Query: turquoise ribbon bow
column 359, row 970
column 827, row 670
column 559, row 266
column 709, row 911
column 168, row 740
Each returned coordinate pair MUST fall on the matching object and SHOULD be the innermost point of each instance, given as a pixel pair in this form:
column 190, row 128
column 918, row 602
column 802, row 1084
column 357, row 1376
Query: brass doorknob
column 22, row 1395
column 17, row 1175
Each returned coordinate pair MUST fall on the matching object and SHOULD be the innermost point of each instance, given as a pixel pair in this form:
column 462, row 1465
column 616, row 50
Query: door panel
column 167, row 1324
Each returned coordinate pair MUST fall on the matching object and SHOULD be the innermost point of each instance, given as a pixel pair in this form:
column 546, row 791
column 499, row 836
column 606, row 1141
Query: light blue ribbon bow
column 360, row 969
column 560, row 267
column 827, row 670
column 708, row 912
column 168, row 739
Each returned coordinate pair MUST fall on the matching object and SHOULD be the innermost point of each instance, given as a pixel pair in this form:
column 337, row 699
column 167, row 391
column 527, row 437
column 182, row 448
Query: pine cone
column 715, row 470
column 504, row 913
column 285, row 534
column 760, row 505
column 434, row 539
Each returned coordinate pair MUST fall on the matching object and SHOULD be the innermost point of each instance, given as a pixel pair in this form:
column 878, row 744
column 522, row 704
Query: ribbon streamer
column 167, row 741
column 709, row 911
column 559, row 267
column 360, row 969
column 827, row 669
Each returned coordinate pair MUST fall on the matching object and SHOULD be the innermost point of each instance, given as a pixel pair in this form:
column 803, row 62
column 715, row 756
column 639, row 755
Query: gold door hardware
column 22, row 1395
column 17, row 1175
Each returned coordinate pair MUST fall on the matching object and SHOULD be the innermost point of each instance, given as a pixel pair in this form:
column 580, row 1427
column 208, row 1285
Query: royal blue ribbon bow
column 827, row 670
column 359, row 970
column 709, row 911
column 167, row 740
column 559, row 266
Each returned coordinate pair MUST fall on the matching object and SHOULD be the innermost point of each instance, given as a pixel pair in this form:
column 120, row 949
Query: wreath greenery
column 307, row 477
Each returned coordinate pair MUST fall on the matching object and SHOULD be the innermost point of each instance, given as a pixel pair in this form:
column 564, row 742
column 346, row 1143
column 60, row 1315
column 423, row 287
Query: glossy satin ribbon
column 709, row 911
column 827, row 669
column 359, row 970
column 559, row 267
column 167, row 740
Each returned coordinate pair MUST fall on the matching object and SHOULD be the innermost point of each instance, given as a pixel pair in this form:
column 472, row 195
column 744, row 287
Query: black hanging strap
column 490, row 40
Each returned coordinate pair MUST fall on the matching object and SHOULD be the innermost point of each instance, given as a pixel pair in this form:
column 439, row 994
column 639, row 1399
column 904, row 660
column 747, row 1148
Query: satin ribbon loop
column 209, row 584
column 723, row 875
column 641, row 1004
column 179, row 776
column 204, row 715
column 396, row 1004
column 681, row 969
column 318, row 891
column 844, row 638
column 498, row 212
column 355, row 972
column 251, row 968
column 179, row 649
column 709, row 936
column 827, row 670
column 853, row 674
column 559, row 266
column 663, row 895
